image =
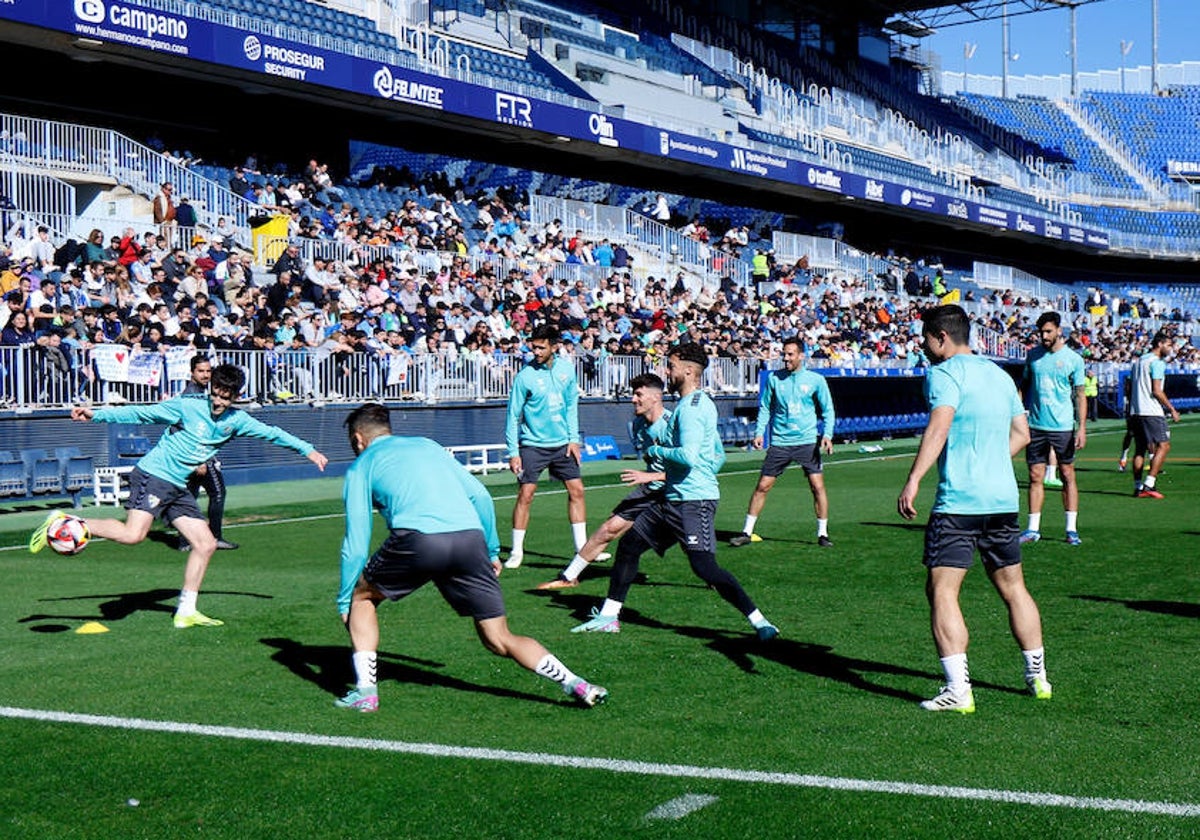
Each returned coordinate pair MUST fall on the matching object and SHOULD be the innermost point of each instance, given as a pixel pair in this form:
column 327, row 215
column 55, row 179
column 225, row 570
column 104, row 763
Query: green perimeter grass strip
column 641, row 768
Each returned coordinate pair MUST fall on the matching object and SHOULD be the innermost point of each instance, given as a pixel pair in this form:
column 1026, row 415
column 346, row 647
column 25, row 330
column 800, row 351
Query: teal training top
column 793, row 405
column 644, row 436
column 543, row 407
column 975, row 466
column 416, row 485
column 198, row 436
column 1050, row 382
column 691, row 451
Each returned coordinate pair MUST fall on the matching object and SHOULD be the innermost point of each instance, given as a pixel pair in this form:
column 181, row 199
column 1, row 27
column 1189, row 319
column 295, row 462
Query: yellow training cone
column 92, row 627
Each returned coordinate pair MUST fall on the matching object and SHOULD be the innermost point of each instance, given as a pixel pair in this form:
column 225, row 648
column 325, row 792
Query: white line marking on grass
column 612, row 765
column 681, row 806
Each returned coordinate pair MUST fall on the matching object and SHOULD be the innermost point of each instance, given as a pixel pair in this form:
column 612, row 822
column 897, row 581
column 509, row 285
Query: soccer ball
column 69, row 535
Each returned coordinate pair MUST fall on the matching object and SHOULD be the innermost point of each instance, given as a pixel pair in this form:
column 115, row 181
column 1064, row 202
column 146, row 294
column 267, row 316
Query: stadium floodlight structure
column 1126, row 46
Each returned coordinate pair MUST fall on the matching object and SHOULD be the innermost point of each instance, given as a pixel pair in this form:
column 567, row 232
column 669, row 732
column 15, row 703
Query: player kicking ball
column 443, row 531
column 649, row 425
column 158, row 485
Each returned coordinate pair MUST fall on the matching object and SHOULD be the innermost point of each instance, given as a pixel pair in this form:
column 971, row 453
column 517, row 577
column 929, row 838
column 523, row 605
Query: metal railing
column 32, row 377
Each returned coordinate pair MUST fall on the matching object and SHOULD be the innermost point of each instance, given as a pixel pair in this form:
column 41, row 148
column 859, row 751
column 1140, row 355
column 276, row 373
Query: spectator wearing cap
column 185, row 215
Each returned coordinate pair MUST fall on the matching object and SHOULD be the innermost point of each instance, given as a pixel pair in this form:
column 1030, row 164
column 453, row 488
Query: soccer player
column 794, row 404
column 1147, row 410
column 208, row 475
column 976, row 426
column 158, row 485
column 542, row 432
column 649, row 424
column 692, row 454
column 443, row 530
column 1053, row 385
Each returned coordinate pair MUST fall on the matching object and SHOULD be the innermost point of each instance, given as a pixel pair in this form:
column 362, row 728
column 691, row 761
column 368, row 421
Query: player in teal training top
column 648, row 427
column 976, row 425
column 542, row 432
column 158, row 485
column 691, row 454
column 443, row 531
column 797, row 409
column 1053, row 387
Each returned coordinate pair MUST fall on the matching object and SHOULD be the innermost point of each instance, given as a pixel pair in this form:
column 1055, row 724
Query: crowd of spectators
column 148, row 292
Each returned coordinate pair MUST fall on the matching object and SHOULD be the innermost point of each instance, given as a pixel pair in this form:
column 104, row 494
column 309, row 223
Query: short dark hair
column 647, row 380
column 1049, row 318
column 547, row 332
column 369, row 417
column 199, row 358
column 690, row 352
column 794, row 339
column 229, row 378
column 950, row 319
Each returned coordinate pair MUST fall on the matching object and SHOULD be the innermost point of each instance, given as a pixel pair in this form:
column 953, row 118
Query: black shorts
column 806, row 455
column 160, row 498
column 534, row 459
column 1149, row 431
column 1041, row 442
column 690, row 524
column 642, row 498
column 457, row 562
column 952, row 538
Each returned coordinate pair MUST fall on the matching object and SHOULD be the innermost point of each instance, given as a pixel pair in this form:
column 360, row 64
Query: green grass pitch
column 149, row 732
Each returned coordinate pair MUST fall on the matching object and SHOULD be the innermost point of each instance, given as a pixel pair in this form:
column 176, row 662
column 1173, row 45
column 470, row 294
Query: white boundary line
column 640, row 768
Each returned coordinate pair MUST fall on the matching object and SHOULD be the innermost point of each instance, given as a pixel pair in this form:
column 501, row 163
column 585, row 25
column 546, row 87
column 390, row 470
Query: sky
column 1041, row 40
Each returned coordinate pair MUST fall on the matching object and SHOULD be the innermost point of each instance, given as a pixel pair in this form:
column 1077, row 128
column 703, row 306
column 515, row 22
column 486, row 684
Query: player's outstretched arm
column 318, row 459
column 81, row 413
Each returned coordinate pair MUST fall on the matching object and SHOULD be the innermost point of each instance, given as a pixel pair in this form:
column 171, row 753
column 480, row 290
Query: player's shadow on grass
column 903, row 526
column 117, row 606
column 1179, row 608
column 744, row 650
column 329, row 668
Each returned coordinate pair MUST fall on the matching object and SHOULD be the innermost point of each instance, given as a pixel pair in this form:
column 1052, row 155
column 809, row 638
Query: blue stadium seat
column 13, row 480
column 76, row 470
column 42, row 471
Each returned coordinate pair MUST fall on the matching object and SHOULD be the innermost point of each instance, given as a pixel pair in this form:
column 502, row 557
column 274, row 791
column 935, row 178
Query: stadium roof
column 923, row 17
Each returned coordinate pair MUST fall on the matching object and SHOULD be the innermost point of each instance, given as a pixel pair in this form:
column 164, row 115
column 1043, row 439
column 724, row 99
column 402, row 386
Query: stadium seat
column 132, row 446
column 42, row 471
column 76, row 470
column 13, row 480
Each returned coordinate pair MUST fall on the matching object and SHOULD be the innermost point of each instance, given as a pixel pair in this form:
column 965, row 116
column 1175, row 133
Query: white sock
column 1035, row 662
column 550, row 668
column 365, row 668
column 576, row 567
column 751, row 521
column 187, row 602
column 579, row 532
column 611, row 608
column 757, row 619
column 1051, row 472
column 1035, row 522
column 822, row 527
column 1072, row 518
column 958, row 677
column 518, row 541
column 1151, row 480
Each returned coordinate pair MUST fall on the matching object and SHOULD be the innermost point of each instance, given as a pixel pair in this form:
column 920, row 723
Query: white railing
column 30, row 377
column 28, row 145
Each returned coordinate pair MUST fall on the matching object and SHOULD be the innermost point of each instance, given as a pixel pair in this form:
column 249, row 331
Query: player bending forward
column 443, row 531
